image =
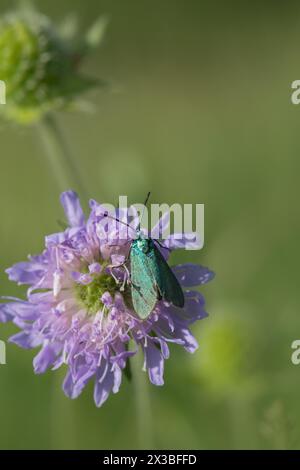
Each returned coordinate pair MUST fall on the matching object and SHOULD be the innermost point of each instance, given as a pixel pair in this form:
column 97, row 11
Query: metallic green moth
column 151, row 278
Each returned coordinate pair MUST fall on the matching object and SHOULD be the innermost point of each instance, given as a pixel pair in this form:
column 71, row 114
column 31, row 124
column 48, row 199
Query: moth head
column 143, row 244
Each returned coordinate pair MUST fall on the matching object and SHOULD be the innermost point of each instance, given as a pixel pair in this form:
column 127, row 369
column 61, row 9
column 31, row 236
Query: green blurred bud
column 227, row 357
column 39, row 65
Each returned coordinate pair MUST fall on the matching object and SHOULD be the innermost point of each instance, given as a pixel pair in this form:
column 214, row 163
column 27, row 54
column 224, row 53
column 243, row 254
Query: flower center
column 90, row 295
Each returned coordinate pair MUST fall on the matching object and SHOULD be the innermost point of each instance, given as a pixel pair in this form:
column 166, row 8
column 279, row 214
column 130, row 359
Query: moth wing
column 168, row 285
column 143, row 291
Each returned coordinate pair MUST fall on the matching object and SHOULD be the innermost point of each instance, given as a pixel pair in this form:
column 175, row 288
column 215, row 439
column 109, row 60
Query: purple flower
column 78, row 308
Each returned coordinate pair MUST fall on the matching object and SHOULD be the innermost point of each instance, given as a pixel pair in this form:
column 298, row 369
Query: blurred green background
column 198, row 111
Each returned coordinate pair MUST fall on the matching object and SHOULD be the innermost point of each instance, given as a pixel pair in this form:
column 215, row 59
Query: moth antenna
column 118, row 220
column 145, row 205
column 147, row 198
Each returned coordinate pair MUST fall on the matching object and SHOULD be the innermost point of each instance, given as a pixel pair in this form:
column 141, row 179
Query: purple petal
column 45, row 358
column 154, row 363
column 117, row 378
column 190, row 275
column 106, row 299
column 95, row 268
column 164, row 348
column 104, row 384
column 23, row 310
column 6, row 313
column 117, row 260
column 72, row 208
column 164, row 332
column 80, row 372
column 190, row 343
column 72, row 389
column 68, row 386
column 58, row 362
column 55, row 238
column 41, row 297
column 121, row 358
column 93, row 204
column 26, row 340
column 194, row 306
column 25, row 272
column 28, row 312
column 82, row 278
column 187, row 241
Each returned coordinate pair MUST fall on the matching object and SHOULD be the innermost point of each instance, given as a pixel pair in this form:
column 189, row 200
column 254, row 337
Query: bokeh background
column 197, row 110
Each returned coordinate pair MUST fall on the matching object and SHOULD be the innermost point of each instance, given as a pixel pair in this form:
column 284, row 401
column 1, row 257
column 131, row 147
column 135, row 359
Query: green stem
column 59, row 157
column 61, row 411
column 143, row 404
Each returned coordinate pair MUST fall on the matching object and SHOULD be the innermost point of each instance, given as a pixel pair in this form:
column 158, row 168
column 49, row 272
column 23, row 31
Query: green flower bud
column 39, row 66
column 227, row 356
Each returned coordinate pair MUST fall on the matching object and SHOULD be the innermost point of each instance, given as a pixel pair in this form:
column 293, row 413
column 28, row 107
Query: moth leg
column 126, row 268
column 112, row 273
column 158, row 292
column 127, row 277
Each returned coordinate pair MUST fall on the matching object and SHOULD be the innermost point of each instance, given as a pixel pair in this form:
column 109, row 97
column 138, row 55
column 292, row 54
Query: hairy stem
column 59, row 157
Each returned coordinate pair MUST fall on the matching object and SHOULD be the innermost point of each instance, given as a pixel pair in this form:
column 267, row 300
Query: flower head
column 39, row 64
column 79, row 311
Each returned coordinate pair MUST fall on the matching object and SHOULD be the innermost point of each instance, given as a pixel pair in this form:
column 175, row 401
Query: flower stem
column 59, row 157
column 142, row 404
column 61, row 411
